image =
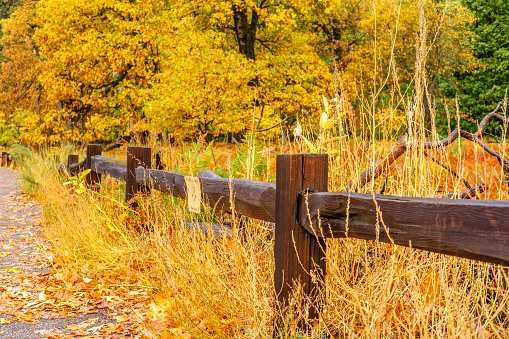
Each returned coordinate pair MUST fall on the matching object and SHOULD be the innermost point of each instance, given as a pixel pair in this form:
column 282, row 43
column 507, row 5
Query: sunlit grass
column 212, row 287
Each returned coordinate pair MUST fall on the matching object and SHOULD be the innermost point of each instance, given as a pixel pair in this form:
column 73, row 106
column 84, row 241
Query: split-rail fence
column 305, row 214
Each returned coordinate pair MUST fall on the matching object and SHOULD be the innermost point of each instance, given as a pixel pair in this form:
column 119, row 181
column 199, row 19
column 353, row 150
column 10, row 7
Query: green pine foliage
column 481, row 90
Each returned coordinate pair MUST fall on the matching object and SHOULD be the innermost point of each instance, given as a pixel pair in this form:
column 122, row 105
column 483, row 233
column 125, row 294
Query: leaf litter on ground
column 34, row 289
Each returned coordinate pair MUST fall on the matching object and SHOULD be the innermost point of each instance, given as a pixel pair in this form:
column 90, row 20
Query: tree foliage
column 24, row 116
column 233, row 56
column 7, row 7
column 406, row 46
column 87, row 70
column 99, row 59
column 480, row 90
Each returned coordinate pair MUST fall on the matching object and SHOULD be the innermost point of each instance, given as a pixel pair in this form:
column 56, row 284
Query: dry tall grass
column 223, row 287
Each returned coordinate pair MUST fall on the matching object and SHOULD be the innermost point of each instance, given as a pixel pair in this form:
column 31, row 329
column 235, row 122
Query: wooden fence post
column 4, row 159
column 71, row 160
column 159, row 162
column 92, row 177
column 298, row 254
column 136, row 156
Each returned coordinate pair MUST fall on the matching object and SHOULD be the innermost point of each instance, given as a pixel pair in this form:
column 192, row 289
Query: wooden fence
column 5, row 160
column 305, row 214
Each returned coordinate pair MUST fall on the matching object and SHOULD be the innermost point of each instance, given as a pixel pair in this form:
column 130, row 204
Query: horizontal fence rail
column 474, row 229
column 305, row 214
column 255, row 199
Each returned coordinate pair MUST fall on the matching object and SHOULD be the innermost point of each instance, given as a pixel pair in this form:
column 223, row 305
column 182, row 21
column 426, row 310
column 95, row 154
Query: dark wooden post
column 159, row 162
column 92, row 177
column 297, row 252
column 4, row 159
column 136, row 156
column 71, row 160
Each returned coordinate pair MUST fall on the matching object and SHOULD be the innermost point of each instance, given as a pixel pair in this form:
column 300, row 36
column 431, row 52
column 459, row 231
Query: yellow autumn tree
column 86, row 70
column 24, row 106
column 100, row 57
column 225, row 57
column 203, row 86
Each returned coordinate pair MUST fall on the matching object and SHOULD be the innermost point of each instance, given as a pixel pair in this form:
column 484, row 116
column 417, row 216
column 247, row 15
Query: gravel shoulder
column 31, row 303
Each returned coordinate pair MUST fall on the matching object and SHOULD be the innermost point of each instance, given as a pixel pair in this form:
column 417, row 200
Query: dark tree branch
column 471, row 193
column 121, row 76
column 254, row 116
column 35, row 47
column 467, row 185
column 380, row 165
column 401, row 146
column 235, row 141
column 264, row 44
column 259, row 119
column 117, row 143
column 273, row 126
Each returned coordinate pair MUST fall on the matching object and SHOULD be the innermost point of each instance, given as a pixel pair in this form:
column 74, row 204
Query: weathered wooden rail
column 305, row 214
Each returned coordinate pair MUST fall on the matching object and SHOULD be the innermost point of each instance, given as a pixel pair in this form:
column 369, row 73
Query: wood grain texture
column 164, row 181
column 137, row 157
column 93, row 177
column 316, row 174
column 476, row 229
column 208, row 174
column 75, row 168
column 296, row 251
column 159, row 162
column 255, row 199
column 110, row 166
column 72, row 159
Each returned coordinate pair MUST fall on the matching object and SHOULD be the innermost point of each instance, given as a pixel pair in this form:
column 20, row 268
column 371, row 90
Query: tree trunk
column 245, row 31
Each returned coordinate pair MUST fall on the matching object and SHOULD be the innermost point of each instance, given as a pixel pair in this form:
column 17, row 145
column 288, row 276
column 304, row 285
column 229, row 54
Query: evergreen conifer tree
column 482, row 89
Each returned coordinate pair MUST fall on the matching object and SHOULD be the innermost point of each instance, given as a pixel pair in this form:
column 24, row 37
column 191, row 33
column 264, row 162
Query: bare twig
column 472, row 192
column 401, row 146
column 273, row 126
column 254, row 116
column 380, row 165
column 235, row 141
column 259, row 119
column 117, row 143
column 467, row 185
